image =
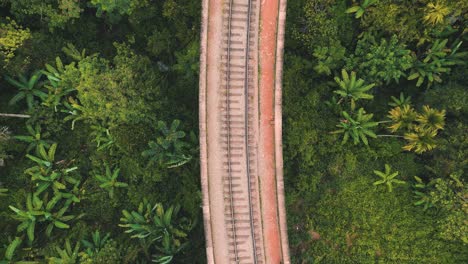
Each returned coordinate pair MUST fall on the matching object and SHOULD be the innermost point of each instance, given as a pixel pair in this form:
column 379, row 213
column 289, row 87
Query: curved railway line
column 243, row 202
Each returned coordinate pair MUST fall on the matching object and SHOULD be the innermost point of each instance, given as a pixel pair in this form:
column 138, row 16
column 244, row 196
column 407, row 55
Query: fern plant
column 387, row 178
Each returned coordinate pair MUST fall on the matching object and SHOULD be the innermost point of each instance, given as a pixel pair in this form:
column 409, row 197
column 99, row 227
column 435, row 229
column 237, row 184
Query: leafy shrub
column 380, row 62
column 12, row 37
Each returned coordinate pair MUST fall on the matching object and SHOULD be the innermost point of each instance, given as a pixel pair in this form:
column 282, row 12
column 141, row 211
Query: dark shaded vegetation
column 105, row 170
column 372, row 88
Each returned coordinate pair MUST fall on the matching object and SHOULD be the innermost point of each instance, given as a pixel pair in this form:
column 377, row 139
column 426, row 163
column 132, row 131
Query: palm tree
column 358, row 128
column 431, row 118
column 352, row 89
column 420, row 140
column 388, row 178
column 402, row 118
column 436, row 13
column 28, row 89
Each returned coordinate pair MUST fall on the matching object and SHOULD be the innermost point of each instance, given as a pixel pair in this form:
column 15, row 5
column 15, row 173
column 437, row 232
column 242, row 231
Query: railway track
column 241, row 189
column 240, row 179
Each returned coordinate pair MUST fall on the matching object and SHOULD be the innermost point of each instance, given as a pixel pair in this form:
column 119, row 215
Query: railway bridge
column 240, row 131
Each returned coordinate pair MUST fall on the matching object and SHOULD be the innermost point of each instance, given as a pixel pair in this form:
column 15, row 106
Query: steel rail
column 228, row 134
column 246, row 131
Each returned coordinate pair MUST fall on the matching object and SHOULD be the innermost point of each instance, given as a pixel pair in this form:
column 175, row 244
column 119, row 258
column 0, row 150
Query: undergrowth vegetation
column 101, row 165
column 375, row 115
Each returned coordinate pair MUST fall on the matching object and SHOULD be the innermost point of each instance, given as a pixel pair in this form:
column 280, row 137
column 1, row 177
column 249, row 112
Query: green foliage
column 329, row 58
column 357, row 224
column 96, row 244
column 431, row 119
column 360, row 9
column 119, row 93
column 42, row 211
column 115, row 9
column 436, row 13
column 351, row 89
column 420, row 129
column 102, row 137
column 449, row 196
column 3, row 192
column 321, row 23
column 67, row 255
column 10, row 251
column 5, row 136
column 401, row 102
column 12, row 37
column 168, row 150
column 402, row 117
column 34, row 138
column 108, row 181
column 421, row 193
column 400, row 18
column 388, row 178
column 380, row 62
column 157, row 227
column 358, row 127
column 420, row 140
column 435, row 61
column 28, row 89
column 56, row 14
column 57, row 88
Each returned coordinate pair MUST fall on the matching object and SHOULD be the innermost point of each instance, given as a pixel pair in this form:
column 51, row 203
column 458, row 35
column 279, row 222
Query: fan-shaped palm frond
column 402, row 117
column 431, row 118
column 421, row 140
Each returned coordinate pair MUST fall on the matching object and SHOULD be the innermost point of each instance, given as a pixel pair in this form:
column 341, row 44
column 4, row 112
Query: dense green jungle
column 104, row 166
